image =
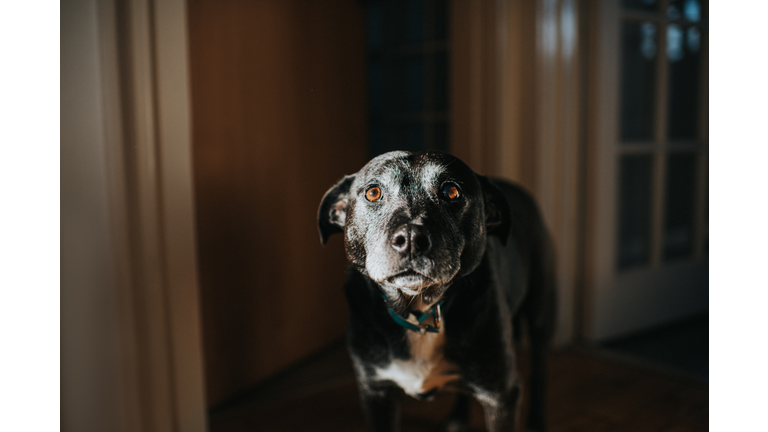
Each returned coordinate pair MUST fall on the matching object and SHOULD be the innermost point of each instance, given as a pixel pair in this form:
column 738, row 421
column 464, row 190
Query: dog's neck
column 404, row 304
column 417, row 303
column 417, row 319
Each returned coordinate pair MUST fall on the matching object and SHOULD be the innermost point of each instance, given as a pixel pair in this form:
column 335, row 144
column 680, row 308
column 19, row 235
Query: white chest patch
column 427, row 369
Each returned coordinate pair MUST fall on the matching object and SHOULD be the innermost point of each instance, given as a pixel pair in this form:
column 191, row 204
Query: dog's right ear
column 333, row 209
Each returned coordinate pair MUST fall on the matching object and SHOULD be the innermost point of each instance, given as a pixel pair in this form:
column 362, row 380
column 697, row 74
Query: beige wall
column 279, row 114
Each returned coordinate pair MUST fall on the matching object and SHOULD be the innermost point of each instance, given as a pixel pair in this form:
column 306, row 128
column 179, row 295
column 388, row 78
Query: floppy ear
column 333, row 209
column 498, row 213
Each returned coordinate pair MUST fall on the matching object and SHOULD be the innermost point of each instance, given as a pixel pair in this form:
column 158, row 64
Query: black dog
column 445, row 266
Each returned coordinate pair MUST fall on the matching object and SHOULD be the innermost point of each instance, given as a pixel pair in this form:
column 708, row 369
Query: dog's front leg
column 381, row 403
column 501, row 409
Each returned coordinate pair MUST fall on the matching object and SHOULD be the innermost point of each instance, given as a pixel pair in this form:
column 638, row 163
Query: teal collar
column 435, row 312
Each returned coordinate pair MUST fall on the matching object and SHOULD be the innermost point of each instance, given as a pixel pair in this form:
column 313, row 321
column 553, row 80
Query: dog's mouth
column 411, row 282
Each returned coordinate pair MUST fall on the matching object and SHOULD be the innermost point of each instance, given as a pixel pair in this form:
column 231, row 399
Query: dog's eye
column 373, row 194
column 451, row 191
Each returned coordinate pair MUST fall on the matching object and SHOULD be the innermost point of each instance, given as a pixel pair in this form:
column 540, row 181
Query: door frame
column 621, row 302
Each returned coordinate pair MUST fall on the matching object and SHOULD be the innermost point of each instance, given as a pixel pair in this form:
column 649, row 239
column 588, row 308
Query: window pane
column 644, row 5
column 683, row 49
column 374, row 28
column 403, row 22
column 407, row 136
column 635, row 186
column 679, row 205
column 375, row 138
column 441, row 136
column 639, row 56
column 375, row 85
column 404, row 84
column 685, row 9
column 441, row 19
column 441, row 81
column 414, row 21
column 414, row 84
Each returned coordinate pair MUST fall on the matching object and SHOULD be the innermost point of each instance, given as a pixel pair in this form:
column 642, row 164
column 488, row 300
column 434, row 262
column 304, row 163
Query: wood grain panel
column 279, row 115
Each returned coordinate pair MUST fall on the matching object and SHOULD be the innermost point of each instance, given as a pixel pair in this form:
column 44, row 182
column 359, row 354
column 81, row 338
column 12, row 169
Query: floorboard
column 590, row 390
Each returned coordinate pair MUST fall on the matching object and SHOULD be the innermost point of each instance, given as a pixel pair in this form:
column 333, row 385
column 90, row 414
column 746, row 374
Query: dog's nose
column 401, row 239
column 420, row 241
column 411, row 238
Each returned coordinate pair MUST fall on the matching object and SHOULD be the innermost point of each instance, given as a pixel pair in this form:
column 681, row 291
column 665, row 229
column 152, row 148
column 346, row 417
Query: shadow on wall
column 278, row 102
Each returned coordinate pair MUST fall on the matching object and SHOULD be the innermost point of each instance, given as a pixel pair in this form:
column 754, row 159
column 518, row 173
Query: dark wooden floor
column 589, row 391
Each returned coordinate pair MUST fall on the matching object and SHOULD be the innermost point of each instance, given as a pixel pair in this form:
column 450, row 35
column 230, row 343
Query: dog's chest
column 426, row 370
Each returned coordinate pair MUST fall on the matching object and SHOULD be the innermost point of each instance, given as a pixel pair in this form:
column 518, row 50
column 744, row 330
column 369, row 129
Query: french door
column 647, row 168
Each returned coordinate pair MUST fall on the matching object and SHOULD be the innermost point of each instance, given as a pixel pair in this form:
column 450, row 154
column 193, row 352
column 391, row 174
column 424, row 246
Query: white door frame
column 621, row 302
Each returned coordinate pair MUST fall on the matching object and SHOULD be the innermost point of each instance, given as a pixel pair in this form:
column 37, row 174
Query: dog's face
column 413, row 222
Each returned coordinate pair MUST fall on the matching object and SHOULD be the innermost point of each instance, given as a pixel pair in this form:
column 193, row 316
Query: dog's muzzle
column 410, row 282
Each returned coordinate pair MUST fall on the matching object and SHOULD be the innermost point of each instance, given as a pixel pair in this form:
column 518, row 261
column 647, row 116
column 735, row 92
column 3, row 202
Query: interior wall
column 279, row 115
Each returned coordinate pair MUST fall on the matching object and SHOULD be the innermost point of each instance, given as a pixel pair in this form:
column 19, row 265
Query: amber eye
column 451, row 191
column 373, row 194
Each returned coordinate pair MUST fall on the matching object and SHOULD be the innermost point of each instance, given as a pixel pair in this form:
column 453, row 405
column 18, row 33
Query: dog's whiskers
column 410, row 301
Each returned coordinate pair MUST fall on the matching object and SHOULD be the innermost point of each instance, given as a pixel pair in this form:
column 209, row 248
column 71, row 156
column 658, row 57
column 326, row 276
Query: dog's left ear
column 333, row 209
column 498, row 213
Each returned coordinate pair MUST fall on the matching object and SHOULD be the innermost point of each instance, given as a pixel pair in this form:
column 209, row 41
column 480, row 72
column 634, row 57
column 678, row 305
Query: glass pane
column 375, row 84
column 639, row 42
column 404, row 136
column 644, row 5
column 414, row 84
column 373, row 27
column 414, row 21
column 441, row 136
column 441, row 19
column 404, row 84
column 683, row 53
column 635, row 187
column 685, row 9
column 679, row 205
column 441, row 81
column 403, row 22
column 375, row 138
